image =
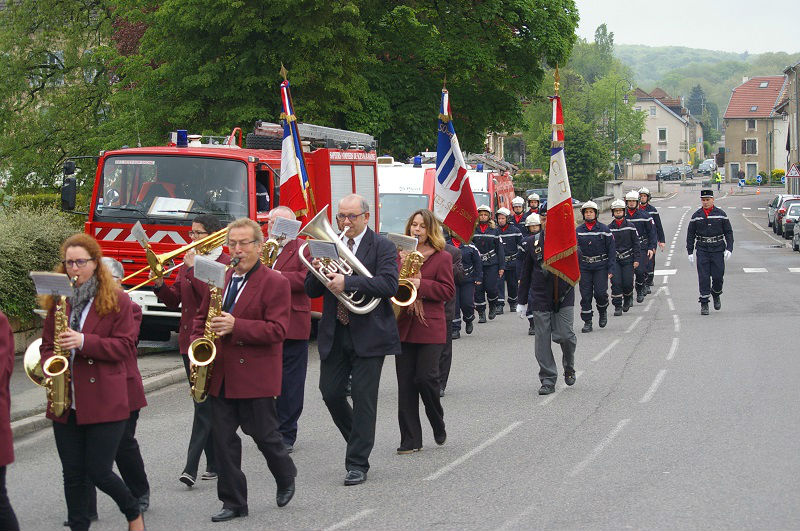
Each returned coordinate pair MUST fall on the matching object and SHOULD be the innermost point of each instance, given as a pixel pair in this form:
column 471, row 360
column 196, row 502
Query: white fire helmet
column 533, row 197
column 633, row 195
column 617, row 203
column 504, row 211
column 485, row 208
column 645, row 191
column 589, row 204
column 533, row 219
column 517, row 201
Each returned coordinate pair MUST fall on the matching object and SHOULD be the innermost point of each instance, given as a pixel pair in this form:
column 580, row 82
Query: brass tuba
column 320, row 229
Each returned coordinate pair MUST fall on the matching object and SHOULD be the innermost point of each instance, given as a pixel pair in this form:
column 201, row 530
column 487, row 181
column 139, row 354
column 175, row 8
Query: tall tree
column 696, row 101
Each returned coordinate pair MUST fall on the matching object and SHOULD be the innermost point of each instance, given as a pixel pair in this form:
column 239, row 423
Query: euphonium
column 406, row 291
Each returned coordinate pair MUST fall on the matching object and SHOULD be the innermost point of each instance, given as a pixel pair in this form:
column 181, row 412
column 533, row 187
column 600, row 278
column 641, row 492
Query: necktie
column 341, row 311
column 233, row 290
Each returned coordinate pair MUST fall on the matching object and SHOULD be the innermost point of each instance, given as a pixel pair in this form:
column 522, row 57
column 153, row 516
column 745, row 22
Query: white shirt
column 357, row 240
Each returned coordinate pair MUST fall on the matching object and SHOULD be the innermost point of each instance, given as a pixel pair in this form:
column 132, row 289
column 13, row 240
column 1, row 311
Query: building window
column 752, row 170
column 662, row 155
column 653, row 110
column 662, row 135
column 749, row 146
column 735, row 171
column 763, row 84
column 754, row 108
column 751, row 124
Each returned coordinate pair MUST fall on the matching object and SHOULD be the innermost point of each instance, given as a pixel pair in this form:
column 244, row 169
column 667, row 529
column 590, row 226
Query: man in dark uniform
column 511, row 238
column 465, row 288
column 533, row 205
column 710, row 233
column 596, row 257
column 487, row 240
column 518, row 214
column 628, row 256
column 644, row 204
column 533, row 225
column 647, row 238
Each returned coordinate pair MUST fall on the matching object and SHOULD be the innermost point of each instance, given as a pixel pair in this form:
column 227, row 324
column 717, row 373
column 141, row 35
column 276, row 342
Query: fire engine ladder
column 330, row 137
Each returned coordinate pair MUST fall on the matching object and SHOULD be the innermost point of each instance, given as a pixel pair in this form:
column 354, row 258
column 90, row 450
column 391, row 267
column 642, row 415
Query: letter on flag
column 560, row 244
column 453, row 202
column 294, row 178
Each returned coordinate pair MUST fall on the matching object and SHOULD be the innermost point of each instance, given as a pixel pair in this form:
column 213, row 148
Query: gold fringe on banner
column 563, row 254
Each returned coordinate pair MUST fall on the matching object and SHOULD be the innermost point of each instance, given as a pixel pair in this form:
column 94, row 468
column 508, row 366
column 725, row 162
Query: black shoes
column 441, row 392
column 492, row 311
column 647, row 290
column 569, row 376
column 704, row 308
column 455, row 334
column 355, row 477
column 482, row 316
column 144, row 502
column 587, row 327
column 400, row 451
column 468, row 327
column 627, row 302
column 603, row 317
column 187, row 479
column 640, row 296
column 512, row 307
column 546, row 389
column 617, row 311
column 208, row 475
column 289, row 447
column 531, row 330
column 440, row 438
column 228, row 514
column 285, row 494
column 717, row 301
column 499, row 310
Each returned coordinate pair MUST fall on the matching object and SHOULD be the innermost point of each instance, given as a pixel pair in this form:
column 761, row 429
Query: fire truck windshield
column 396, row 208
column 481, row 198
column 168, row 189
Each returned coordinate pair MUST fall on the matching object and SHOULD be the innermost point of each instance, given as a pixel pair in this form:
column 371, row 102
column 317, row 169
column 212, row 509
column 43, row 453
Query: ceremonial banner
column 294, row 177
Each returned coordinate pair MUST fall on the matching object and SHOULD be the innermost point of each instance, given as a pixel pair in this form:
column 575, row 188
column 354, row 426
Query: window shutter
column 744, row 147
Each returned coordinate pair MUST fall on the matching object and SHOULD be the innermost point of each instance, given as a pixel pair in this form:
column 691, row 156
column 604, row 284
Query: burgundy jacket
column 6, row 367
column 186, row 292
column 250, row 359
column 290, row 266
column 435, row 288
column 99, row 370
column 136, row 399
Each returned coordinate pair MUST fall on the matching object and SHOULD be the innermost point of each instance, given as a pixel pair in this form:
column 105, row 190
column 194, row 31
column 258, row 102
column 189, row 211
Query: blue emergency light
column 182, row 138
column 479, row 167
column 417, row 161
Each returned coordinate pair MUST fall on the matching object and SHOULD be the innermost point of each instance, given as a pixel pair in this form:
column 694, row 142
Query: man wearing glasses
column 352, row 344
column 246, row 378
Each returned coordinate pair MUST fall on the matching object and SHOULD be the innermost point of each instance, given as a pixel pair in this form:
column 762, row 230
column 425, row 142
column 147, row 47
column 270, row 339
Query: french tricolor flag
column 453, row 202
column 294, row 178
column 560, row 255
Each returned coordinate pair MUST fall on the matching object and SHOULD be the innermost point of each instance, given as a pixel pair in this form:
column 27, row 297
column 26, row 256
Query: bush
column 29, row 241
column 777, row 173
column 35, row 201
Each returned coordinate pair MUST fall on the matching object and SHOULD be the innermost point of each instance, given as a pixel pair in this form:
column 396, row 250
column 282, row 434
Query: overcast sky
column 728, row 25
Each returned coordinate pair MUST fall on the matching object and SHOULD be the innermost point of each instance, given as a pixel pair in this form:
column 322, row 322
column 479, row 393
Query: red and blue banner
column 294, row 177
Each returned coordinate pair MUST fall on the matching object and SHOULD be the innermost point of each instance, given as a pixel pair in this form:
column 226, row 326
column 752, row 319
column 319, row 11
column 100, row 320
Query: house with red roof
column 755, row 132
column 670, row 130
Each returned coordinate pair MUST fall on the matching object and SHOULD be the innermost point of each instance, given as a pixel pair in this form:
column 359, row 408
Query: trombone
column 155, row 262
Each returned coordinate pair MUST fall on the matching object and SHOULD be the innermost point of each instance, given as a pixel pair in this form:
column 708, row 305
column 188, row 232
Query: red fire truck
column 165, row 187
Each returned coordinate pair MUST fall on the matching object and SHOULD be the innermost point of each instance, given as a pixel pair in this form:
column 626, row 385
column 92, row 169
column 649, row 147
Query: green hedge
column 29, row 241
column 35, row 201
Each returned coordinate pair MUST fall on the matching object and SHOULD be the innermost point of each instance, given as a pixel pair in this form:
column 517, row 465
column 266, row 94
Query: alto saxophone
column 406, row 292
column 269, row 255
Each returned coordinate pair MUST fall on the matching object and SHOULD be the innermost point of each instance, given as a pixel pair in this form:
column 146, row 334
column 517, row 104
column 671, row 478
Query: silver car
column 774, row 205
column 789, row 221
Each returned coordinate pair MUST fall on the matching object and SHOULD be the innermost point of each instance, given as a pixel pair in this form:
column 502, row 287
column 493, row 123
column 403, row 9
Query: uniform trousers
column 8, row 520
column 710, row 273
column 509, row 280
column 465, row 303
column 554, row 327
column 651, row 269
column 258, row 419
column 87, row 455
column 357, row 422
column 418, row 377
column 200, row 439
column 594, row 282
column 488, row 288
column 641, row 272
column 446, row 355
column 293, row 384
column 622, row 283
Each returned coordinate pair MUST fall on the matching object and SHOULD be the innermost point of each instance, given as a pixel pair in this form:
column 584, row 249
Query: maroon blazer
column 290, row 266
column 186, row 292
column 136, row 398
column 99, row 369
column 435, row 288
column 6, row 367
column 250, row 359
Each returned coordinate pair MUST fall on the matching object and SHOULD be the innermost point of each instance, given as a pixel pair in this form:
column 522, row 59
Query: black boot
column 499, row 310
column 492, row 311
column 603, row 321
column 717, row 301
column 531, row 328
column 512, row 307
column 627, row 302
column 640, row 295
column 647, row 290
column 617, row 311
column 481, row 316
column 704, row 308
column 468, row 327
column 587, row 327
column 455, row 334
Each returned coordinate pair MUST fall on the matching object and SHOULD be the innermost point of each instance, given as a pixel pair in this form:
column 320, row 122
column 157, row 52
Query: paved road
column 677, row 421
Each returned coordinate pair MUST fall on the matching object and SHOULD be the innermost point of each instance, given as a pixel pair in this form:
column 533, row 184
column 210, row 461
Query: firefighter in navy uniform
column 596, row 254
column 533, row 227
column 511, row 237
column 647, row 239
column 628, row 256
column 533, row 205
column 710, row 236
column 465, row 291
column 644, row 204
column 518, row 214
column 487, row 240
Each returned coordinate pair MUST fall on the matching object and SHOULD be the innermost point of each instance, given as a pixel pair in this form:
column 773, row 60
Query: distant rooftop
column 756, row 98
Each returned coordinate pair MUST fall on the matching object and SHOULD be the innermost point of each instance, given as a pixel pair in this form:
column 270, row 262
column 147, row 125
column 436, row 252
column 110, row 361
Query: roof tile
column 760, row 93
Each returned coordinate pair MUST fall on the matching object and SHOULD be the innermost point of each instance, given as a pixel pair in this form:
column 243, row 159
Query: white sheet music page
column 288, row 228
column 49, row 283
column 209, row 271
column 403, row 242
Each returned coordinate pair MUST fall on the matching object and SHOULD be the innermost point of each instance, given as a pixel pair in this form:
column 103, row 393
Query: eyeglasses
column 193, row 233
column 81, row 262
column 351, row 217
column 243, row 244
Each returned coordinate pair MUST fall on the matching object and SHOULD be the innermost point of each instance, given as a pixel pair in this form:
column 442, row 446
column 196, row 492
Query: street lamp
column 625, row 101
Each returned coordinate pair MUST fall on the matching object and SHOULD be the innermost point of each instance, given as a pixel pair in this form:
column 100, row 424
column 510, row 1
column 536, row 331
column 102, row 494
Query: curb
column 38, row 422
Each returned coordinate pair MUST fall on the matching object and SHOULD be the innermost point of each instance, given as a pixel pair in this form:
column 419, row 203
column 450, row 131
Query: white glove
column 727, row 254
column 691, row 258
column 521, row 309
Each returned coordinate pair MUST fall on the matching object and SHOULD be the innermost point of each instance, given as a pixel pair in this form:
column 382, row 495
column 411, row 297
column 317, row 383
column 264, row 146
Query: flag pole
column 301, row 164
column 556, row 86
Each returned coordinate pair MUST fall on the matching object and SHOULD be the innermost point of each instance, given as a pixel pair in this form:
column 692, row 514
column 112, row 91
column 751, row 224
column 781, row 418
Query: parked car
column 796, row 240
column 773, row 207
column 790, row 219
column 668, row 173
column 707, row 167
column 687, row 171
column 777, row 225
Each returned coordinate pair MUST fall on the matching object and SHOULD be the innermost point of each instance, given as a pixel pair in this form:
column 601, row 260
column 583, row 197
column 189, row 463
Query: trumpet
column 320, row 229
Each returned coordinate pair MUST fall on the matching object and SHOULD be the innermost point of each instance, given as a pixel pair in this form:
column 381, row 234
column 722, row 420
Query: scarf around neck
column 80, row 298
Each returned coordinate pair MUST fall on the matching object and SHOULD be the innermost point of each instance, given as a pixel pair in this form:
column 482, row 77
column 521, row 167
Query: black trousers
column 446, row 354
column 356, row 423
column 290, row 403
column 641, row 272
column 8, row 520
column 418, row 377
column 594, row 282
column 509, row 279
column 87, row 455
column 200, row 439
column 465, row 303
column 622, row 283
column 651, row 269
column 487, row 289
column 710, row 273
column 258, row 419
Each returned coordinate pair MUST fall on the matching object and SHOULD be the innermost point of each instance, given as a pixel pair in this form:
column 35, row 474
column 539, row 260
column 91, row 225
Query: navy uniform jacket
column 489, row 245
column 523, row 249
column 540, row 283
column 653, row 211
column 626, row 242
column 710, row 233
column 596, row 247
column 529, row 212
column 470, row 263
column 518, row 222
column 511, row 238
column 644, row 224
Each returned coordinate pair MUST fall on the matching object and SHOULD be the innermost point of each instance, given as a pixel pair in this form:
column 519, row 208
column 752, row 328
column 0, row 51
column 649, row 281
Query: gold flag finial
column 284, row 72
column 556, row 83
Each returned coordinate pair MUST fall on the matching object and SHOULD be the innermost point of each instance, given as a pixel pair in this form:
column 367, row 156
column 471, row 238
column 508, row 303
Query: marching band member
column 487, row 240
column 596, row 257
column 8, row 520
column 647, row 239
column 465, row 289
column 187, row 292
column 644, row 204
column 102, row 336
column 246, row 378
column 628, row 256
column 295, row 346
column 533, row 225
column 423, row 330
column 511, row 237
column 354, row 344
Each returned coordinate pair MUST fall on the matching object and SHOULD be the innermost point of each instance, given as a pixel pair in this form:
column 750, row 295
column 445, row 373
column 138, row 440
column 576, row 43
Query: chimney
column 745, row 79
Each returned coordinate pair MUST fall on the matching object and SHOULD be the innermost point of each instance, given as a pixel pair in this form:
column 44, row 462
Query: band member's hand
column 500, row 273
column 650, row 254
column 610, row 275
column 336, row 283
column 477, row 282
column 662, row 245
column 635, row 265
column 316, row 263
column 70, row 339
column 727, row 254
column 223, row 324
column 188, row 258
column 691, row 258
column 415, row 281
column 158, row 282
column 403, row 255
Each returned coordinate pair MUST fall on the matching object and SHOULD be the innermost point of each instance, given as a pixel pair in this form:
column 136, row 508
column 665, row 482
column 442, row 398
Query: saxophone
column 406, row 292
column 269, row 255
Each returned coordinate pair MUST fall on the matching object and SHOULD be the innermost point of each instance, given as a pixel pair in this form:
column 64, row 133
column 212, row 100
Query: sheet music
column 320, row 249
column 172, row 207
column 288, row 228
column 209, row 271
column 403, row 242
column 137, row 231
column 49, row 283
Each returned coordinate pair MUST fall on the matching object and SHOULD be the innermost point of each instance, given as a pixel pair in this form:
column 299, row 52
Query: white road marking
column 347, row 521
column 665, row 289
column 667, row 263
column 606, row 350
column 754, row 269
column 552, row 396
column 756, row 225
column 731, row 208
column 762, row 208
column 633, row 324
column 670, row 304
column 485, row 444
column 794, row 270
column 665, row 280
column 672, row 349
column 677, row 322
column 653, row 387
column 600, row 447
column 746, row 208
column 647, row 308
column 672, row 207
column 665, row 271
